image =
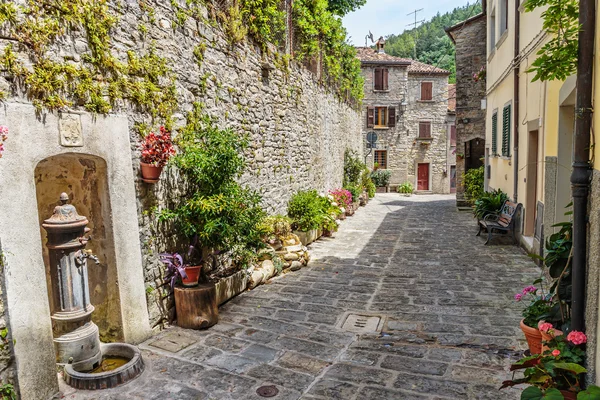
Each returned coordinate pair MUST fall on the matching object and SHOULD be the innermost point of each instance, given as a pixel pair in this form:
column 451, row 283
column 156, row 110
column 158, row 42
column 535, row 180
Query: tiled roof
column 452, row 98
column 417, row 67
column 368, row 55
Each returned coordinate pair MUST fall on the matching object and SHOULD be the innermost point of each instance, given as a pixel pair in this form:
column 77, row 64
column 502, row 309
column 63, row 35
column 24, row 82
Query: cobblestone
column 450, row 329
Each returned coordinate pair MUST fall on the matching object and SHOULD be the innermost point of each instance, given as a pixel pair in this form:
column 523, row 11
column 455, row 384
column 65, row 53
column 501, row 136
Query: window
column 380, row 116
column 425, row 130
column 426, row 91
column 503, row 16
column 452, row 135
column 495, row 134
column 492, row 31
column 380, row 158
column 506, row 131
column 380, row 79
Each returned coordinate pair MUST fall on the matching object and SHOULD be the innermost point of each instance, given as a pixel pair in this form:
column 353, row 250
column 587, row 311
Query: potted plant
column 381, row 179
column 157, row 149
column 489, row 203
column 539, row 308
column 188, row 273
column 406, row 188
column 343, row 198
column 555, row 374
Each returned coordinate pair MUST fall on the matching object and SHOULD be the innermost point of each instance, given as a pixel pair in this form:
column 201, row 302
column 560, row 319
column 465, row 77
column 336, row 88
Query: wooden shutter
column 426, row 90
column 385, row 79
column 495, row 134
column 424, row 129
column 506, row 131
column 370, row 117
column 452, row 135
column 392, row 117
column 378, row 79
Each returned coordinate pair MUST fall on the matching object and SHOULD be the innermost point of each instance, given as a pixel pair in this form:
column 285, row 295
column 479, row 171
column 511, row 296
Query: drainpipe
column 516, row 70
column 582, row 172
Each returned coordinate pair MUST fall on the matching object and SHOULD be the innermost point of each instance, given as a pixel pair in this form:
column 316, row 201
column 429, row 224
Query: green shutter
column 506, row 131
column 495, row 134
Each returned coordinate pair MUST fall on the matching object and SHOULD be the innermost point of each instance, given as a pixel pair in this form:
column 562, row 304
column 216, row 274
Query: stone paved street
column 445, row 302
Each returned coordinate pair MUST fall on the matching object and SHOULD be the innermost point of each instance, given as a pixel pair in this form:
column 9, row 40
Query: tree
column 343, row 7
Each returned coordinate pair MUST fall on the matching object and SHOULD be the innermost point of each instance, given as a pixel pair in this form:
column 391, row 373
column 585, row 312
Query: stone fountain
column 76, row 337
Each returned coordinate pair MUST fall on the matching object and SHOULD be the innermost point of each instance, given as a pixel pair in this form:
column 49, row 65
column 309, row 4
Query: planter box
column 307, row 237
column 383, row 189
column 229, row 287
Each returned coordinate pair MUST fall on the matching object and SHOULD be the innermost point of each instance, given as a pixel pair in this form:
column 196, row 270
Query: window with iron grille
column 506, row 131
column 495, row 134
column 381, row 158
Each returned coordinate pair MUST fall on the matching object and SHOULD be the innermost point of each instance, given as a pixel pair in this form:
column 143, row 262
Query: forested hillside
column 433, row 45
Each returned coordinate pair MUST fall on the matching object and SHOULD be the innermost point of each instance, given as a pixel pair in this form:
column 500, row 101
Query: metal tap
column 81, row 257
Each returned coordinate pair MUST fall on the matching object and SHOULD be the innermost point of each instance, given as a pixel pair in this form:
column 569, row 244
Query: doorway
column 532, row 184
column 453, row 179
column 423, row 176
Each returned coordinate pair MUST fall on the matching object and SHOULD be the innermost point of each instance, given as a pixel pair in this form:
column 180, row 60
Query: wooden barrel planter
column 197, row 306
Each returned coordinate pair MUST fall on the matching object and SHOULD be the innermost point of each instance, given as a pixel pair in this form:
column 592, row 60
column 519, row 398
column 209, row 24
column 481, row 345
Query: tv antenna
column 369, row 36
column 414, row 24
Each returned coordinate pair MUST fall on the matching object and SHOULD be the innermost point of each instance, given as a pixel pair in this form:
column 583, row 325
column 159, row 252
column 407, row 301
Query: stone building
column 468, row 37
column 298, row 131
column 406, row 106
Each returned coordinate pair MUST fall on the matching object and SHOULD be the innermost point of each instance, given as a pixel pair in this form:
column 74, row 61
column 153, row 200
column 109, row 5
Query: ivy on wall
column 100, row 80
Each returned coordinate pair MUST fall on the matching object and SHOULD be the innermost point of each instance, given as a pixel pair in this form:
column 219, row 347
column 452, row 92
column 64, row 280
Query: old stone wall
column 470, row 118
column 8, row 372
column 298, row 128
column 404, row 150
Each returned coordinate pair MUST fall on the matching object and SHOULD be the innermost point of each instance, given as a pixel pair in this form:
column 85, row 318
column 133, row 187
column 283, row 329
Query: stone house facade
column 406, row 106
column 470, row 115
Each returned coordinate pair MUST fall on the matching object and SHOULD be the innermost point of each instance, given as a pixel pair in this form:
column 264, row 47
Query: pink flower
column 577, row 337
column 529, row 289
column 545, row 326
column 518, row 296
column 3, row 132
column 556, row 353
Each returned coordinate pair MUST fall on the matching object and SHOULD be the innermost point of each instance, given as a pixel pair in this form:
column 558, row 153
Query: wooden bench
column 504, row 221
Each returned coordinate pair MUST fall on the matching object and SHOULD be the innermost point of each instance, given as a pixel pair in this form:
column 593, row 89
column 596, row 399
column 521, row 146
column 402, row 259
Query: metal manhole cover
column 267, row 391
column 361, row 323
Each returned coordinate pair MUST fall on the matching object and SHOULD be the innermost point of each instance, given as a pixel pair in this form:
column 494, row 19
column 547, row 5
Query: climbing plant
column 557, row 59
column 100, row 79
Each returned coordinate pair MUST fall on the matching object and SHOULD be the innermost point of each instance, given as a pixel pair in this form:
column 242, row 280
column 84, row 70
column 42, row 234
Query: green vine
column 557, row 59
column 100, row 79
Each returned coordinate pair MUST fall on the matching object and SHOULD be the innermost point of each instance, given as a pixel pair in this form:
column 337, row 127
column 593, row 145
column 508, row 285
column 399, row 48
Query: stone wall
column 8, row 372
column 404, row 149
column 298, row 128
column 470, row 118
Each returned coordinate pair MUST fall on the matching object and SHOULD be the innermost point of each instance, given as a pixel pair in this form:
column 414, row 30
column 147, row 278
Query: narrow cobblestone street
column 448, row 326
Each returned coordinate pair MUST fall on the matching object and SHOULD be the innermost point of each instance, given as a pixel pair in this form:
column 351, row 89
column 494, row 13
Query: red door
column 423, row 177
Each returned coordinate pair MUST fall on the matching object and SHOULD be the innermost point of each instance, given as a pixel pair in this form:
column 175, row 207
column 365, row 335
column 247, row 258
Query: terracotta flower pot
column 568, row 395
column 193, row 274
column 534, row 338
column 150, row 173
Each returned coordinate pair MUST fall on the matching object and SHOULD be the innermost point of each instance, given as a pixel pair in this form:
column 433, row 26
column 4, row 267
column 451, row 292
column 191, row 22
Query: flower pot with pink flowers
column 157, row 149
column 540, row 306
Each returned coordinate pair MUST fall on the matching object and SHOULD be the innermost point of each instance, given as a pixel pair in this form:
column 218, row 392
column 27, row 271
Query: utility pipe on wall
column 582, row 171
column 517, row 67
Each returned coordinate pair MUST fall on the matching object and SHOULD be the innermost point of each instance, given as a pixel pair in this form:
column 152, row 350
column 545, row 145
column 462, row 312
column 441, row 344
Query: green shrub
column 473, row 183
column 381, row 177
column 489, row 203
column 276, row 225
column 215, row 208
column 355, row 191
column 353, row 168
column 406, row 188
column 305, row 208
column 371, row 189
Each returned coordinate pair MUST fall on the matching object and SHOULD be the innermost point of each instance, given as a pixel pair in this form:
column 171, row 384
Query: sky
column 384, row 17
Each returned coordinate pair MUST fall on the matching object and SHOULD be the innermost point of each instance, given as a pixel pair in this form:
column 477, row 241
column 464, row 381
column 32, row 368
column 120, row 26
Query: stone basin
column 104, row 380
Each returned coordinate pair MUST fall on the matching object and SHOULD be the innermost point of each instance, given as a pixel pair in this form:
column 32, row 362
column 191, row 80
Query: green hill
column 433, row 45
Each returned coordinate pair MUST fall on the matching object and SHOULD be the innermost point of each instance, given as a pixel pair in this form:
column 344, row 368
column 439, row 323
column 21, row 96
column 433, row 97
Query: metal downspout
column 582, row 172
column 517, row 66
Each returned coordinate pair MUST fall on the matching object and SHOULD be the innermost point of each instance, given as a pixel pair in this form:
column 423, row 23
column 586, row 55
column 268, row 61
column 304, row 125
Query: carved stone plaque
column 71, row 134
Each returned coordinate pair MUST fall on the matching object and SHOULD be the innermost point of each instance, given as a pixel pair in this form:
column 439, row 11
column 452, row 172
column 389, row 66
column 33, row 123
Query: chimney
column 380, row 44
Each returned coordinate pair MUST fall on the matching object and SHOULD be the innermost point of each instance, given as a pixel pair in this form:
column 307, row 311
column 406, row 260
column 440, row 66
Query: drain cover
column 361, row 323
column 267, row 391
